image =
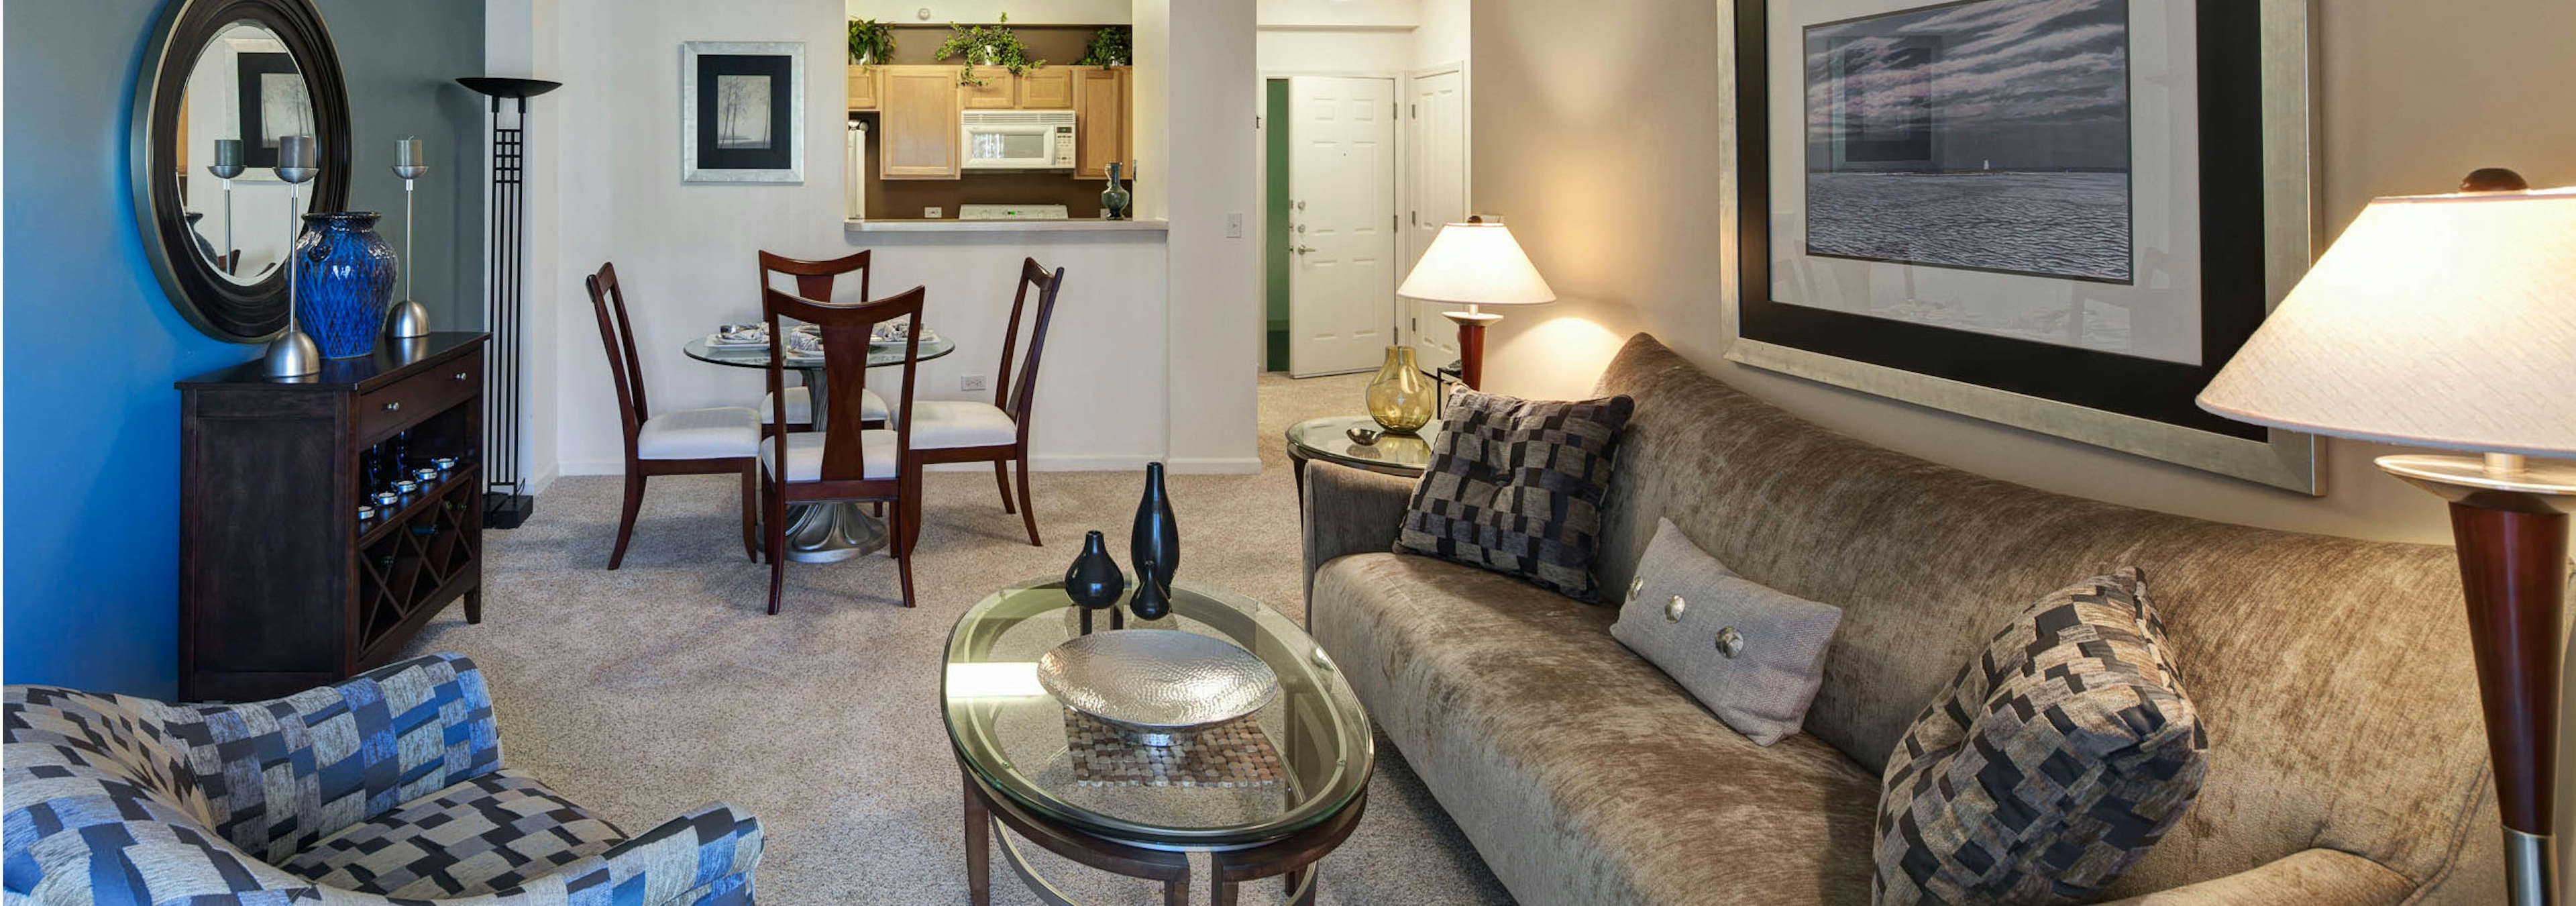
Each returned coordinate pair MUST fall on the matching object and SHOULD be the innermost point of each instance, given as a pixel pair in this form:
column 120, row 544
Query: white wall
column 1317, row 51
column 1445, row 35
column 1044, row 12
column 1389, row 14
column 1198, row 56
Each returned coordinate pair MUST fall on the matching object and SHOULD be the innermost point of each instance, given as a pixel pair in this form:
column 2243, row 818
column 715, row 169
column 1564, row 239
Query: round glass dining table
column 822, row 532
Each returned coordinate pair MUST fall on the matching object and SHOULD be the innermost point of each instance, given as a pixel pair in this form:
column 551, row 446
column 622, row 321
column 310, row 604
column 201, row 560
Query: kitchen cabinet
column 917, row 121
column 1104, row 104
column 1050, row 88
column 1000, row 90
column 863, row 87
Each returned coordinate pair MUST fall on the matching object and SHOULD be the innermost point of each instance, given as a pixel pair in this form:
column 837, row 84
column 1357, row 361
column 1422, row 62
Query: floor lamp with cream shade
column 1475, row 264
column 2449, row 321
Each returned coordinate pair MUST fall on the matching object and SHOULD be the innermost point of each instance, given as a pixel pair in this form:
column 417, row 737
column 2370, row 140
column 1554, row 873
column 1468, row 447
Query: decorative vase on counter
column 1155, row 545
column 345, row 275
column 1093, row 581
column 1113, row 203
column 1153, row 597
column 1401, row 398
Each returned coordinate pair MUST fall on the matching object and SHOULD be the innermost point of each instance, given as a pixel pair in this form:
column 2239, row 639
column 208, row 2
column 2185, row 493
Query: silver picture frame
column 696, row 165
column 2291, row 226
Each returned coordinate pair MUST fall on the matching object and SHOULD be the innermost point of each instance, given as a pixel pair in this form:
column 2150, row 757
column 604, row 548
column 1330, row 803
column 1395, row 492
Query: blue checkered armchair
column 387, row 788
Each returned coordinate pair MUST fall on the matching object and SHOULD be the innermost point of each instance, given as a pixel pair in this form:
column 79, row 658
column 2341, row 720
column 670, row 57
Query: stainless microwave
column 1018, row 140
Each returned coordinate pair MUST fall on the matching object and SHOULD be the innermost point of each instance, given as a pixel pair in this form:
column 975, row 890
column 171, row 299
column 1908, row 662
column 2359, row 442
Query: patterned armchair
column 387, row 788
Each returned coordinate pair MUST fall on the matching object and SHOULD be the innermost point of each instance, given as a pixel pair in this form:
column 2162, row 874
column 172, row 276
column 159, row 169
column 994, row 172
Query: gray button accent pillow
column 1753, row 655
column 2059, row 755
column 1516, row 486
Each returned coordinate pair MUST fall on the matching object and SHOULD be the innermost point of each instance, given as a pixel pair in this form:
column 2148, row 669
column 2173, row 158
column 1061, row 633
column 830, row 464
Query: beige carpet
column 647, row 691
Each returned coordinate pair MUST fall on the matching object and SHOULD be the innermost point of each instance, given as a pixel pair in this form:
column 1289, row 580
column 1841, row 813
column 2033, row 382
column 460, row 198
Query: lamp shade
column 2439, row 321
column 1476, row 264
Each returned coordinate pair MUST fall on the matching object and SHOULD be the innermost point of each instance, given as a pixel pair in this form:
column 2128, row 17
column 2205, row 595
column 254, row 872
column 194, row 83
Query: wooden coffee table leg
column 979, row 846
column 1176, row 892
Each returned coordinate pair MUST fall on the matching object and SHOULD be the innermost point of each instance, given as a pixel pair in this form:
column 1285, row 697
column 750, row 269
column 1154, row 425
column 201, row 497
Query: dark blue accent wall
column 89, row 540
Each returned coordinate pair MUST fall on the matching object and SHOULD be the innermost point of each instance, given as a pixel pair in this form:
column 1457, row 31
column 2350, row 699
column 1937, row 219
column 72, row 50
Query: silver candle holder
column 228, row 164
column 408, row 318
column 299, row 159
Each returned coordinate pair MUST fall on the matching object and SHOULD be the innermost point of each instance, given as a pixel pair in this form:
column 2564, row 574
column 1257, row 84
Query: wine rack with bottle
column 294, row 571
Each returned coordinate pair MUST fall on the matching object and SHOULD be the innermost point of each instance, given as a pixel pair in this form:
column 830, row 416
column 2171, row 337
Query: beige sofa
column 2347, row 761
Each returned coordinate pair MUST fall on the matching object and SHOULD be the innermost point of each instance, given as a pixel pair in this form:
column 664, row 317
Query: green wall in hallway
column 1275, row 281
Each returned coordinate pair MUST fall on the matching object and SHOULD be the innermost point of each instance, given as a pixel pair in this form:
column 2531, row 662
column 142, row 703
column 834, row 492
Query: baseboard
column 1130, row 462
column 545, row 479
column 1248, row 465
column 573, row 467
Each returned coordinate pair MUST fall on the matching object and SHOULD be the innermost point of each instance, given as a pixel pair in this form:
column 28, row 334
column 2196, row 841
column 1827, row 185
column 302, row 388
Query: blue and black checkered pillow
column 2057, row 757
column 1516, row 486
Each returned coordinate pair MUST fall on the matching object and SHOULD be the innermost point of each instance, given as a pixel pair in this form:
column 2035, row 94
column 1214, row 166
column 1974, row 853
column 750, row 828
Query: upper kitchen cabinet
column 918, row 117
column 863, row 87
column 999, row 91
column 1050, row 88
column 1103, row 107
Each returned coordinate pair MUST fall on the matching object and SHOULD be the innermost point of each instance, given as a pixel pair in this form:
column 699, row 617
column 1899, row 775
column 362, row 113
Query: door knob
column 1303, row 249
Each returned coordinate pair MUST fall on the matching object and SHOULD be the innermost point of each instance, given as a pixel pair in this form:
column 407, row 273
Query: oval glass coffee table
column 1264, row 795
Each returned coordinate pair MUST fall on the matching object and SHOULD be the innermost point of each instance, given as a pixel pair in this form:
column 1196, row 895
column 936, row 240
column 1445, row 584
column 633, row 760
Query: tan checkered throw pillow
column 1516, row 486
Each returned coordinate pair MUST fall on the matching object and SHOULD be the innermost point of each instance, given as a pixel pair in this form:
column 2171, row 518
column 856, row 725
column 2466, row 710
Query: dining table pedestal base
column 832, row 532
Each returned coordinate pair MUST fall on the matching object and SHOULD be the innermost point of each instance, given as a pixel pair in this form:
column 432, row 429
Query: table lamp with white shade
column 2449, row 321
column 1475, row 264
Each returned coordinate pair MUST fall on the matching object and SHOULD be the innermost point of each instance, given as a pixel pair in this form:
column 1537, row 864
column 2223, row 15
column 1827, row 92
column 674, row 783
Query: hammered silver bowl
column 1155, row 686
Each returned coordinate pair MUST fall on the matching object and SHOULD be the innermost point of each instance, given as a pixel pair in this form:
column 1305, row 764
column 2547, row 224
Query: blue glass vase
column 344, row 276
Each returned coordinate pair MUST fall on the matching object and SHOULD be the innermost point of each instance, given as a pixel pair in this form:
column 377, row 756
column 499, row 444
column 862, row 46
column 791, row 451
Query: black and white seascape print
column 1989, row 135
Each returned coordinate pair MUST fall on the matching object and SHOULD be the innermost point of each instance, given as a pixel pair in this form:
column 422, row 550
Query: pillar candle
column 407, row 153
column 228, row 152
column 298, row 151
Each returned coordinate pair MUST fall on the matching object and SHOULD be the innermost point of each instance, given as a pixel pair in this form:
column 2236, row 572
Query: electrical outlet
column 933, row 213
column 972, row 383
column 1233, row 226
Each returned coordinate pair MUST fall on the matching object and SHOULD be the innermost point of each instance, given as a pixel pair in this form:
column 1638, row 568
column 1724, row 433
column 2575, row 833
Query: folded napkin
column 891, row 332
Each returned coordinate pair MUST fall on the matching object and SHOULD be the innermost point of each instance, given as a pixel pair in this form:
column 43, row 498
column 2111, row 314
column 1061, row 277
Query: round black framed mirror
column 223, row 81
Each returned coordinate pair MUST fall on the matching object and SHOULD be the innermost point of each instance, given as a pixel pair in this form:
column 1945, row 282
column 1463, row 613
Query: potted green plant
column 1110, row 46
column 987, row 45
column 871, row 42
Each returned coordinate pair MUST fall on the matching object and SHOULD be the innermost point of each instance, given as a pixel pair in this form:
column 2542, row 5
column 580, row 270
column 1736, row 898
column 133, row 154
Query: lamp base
column 2509, row 519
column 1471, row 345
column 291, row 356
column 407, row 319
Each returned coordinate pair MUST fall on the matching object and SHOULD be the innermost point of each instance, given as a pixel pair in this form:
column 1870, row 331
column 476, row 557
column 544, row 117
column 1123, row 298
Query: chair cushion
column 1581, row 773
column 1516, row 486
column 950, row 424
column 805, row 455
column 800, row 407
column 721, row 433
column 2056, row 758
column 1752, row 654
column 487, row 834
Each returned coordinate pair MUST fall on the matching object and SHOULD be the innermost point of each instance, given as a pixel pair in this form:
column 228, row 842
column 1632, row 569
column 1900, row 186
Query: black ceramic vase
column 1093, row 580
column 1153, row 597
column 1157, row 538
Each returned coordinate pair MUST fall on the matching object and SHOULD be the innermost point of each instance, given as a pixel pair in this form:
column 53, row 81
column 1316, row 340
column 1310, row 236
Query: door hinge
column 1394, row 109
column 1417, row 111
column 1414, row 216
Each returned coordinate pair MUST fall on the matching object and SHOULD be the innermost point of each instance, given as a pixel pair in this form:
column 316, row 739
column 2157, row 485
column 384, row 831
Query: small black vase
column 1093, row 580
column 1157, row 538
column 1153, row 597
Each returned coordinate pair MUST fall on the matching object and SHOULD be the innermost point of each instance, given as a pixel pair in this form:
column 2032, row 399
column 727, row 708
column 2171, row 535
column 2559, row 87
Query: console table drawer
column 388, row 410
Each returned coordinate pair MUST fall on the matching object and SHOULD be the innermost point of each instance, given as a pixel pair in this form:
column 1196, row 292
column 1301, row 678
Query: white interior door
column 1341, row 223
column 1436, row 148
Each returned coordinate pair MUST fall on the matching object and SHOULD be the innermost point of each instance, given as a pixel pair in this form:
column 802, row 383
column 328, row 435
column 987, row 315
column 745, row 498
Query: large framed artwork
column 2061, row 215
column 742, row 112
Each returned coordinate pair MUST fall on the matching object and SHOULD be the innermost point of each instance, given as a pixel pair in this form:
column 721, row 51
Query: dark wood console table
column 282, row 586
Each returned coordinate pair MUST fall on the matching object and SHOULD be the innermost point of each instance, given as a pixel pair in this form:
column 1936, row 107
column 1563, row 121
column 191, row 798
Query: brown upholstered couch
column 2347, row 761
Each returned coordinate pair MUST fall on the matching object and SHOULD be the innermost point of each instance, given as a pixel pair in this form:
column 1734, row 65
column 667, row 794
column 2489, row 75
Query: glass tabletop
column 1329, row 439
column 1016, row 737
column 879, row 354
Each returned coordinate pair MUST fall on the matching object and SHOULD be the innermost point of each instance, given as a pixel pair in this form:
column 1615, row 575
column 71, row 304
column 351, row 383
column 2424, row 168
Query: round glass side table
column 1328, row 439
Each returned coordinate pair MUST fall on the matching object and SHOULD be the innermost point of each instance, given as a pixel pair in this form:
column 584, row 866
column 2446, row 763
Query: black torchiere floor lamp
column 506, row 502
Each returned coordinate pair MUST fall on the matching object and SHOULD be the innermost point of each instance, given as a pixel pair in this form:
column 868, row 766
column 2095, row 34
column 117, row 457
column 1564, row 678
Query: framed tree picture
column 2061, row 215
column 273, row 105
column 742, row 112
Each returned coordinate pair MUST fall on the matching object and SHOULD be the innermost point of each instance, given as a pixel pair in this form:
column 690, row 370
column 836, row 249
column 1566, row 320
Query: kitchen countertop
column 1005, row 226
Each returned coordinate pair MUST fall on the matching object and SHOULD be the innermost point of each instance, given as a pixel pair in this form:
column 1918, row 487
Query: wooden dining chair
column 814, row 281
column 690, row 442
column 844, row 462
column 998, row 432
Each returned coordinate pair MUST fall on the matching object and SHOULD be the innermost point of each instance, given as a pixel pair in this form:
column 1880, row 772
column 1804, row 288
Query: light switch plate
column 1233, row 226
column 933, row 213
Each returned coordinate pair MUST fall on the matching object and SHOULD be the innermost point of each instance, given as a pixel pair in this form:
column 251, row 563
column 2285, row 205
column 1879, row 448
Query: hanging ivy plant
column 1110, row 46
column 871, row 41
column 987, row 45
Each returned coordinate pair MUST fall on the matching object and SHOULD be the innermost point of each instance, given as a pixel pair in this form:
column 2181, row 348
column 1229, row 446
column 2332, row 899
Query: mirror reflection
column 244, row 94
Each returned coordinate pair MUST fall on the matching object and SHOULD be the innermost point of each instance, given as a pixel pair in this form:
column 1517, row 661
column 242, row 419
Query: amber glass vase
column 1400, row 399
